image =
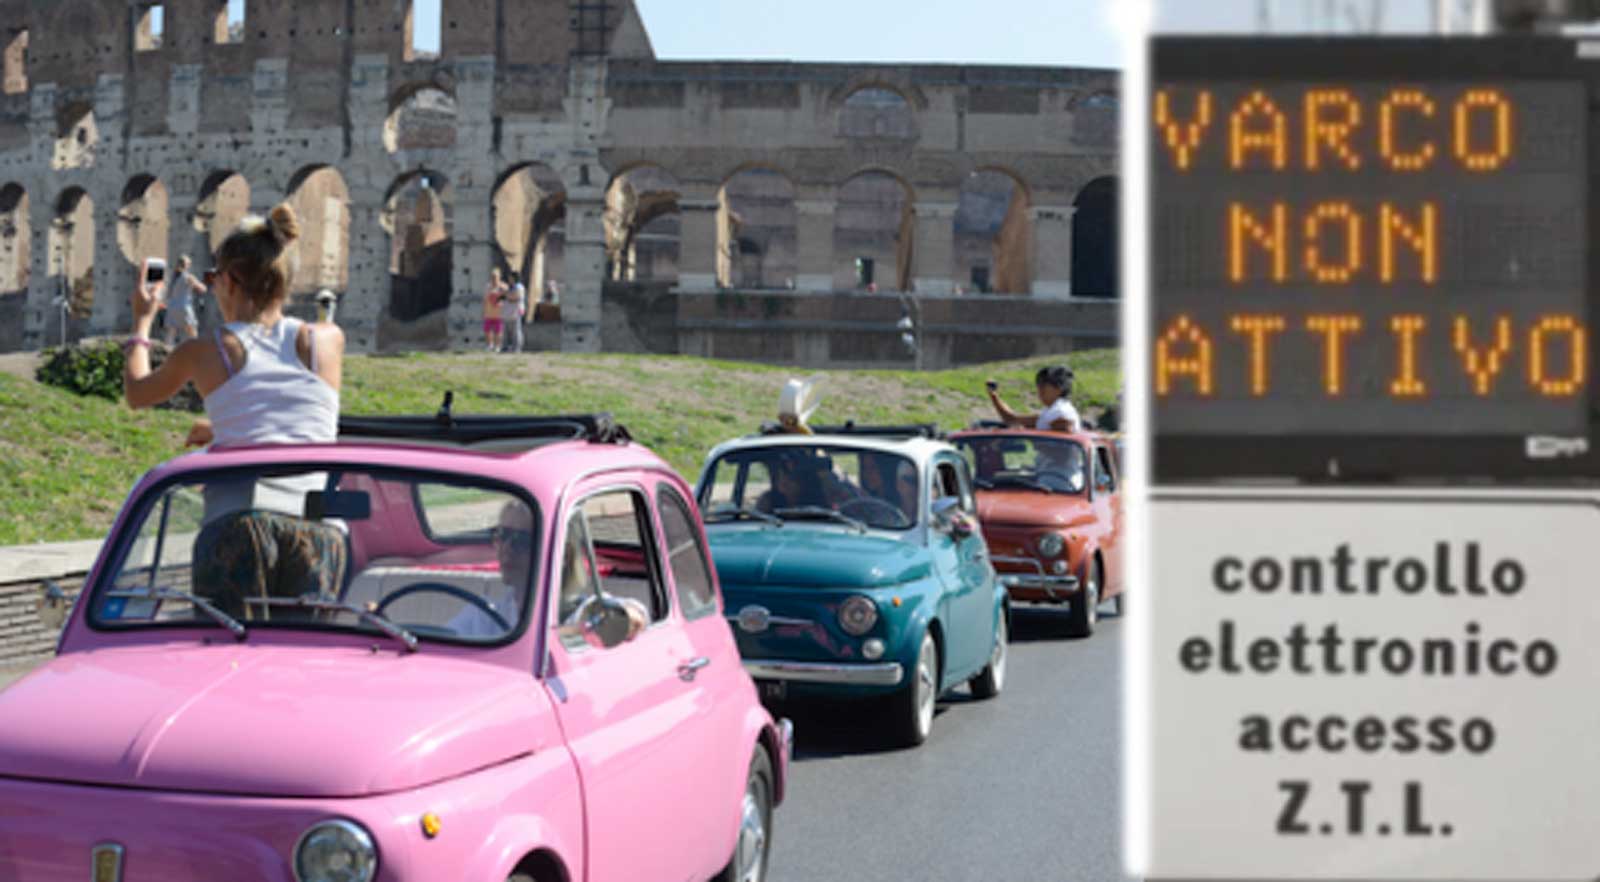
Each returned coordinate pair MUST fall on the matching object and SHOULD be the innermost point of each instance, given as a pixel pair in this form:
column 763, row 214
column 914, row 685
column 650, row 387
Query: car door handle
column 688, row 669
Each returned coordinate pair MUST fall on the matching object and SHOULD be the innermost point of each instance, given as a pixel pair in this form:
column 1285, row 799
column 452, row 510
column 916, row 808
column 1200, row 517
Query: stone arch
column 1094, row 239
column 758, row 225
column 878, row 111
column 874, row 225
column 422, row 116
column 321, row 200
column 993, row 233
column 643, row 224
column 142, row 225
column 16, row 239
column 16, row 249
column 418, row 215
column 224, row 200
column 77, row 135
column 529, row 219
column 72, row 245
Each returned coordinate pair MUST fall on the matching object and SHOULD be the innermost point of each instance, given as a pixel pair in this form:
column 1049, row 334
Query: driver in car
column 1061, row 463
column 513, row 546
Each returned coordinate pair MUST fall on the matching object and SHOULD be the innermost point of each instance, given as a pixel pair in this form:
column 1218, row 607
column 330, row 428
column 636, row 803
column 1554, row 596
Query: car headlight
column 858, row 615
column 1050, row 544
column 335, row 851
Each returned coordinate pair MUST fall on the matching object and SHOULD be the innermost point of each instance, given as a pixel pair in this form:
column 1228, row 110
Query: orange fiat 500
column 1050, row 504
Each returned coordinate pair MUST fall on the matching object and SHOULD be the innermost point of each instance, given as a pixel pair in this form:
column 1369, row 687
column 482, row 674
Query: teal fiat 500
column 852, row 567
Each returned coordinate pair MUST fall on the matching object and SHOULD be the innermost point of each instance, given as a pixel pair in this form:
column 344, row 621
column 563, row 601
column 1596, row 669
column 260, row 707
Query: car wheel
column 913, row 705
column 991, row 679
column 1086, row 609
column 1122, row 603
column 749, row 861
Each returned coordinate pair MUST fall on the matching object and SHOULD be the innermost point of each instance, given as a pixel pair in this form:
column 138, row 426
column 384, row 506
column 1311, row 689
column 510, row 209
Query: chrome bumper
column 1038, row 579
column 878, row 674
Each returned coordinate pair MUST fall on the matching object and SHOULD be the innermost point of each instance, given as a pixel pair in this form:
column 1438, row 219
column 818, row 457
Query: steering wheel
column 873, row 510
column 458, row 593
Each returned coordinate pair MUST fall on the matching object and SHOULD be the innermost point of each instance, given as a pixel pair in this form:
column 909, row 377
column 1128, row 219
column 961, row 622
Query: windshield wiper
column 200, row 603
column 815, row 510
column 983, row 483
column 310, row 601
column 744, row 511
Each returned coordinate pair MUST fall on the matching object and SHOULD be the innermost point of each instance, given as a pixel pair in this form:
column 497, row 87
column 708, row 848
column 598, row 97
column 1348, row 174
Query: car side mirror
column 606, row 623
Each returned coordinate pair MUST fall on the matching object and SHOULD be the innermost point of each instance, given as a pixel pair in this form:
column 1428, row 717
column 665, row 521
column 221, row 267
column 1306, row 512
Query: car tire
column 1086, row 609
column 912, row 707
column 992, row 678
column 1122, row 603
column 750, row 850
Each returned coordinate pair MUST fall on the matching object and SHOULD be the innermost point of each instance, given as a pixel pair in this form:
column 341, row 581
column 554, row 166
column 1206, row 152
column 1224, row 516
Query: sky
column 1053, row 33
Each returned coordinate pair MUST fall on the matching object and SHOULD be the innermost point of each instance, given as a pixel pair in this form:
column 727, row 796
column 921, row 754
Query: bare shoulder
column 329, row 331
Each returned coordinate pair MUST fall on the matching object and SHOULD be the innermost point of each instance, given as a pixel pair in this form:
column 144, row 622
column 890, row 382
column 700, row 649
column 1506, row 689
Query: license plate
column 772, row 690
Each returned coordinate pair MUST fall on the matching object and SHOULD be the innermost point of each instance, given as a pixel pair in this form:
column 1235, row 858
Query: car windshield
column 848, row 486
column 403, row 555
column 1025, row 462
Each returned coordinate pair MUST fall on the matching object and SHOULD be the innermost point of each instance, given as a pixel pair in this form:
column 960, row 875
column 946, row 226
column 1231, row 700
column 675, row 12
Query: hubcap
column 925, row 687
column 752, row 833
column 1092, row 598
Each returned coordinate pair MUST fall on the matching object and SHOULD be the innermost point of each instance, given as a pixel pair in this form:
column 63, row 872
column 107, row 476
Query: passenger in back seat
column 513, row 546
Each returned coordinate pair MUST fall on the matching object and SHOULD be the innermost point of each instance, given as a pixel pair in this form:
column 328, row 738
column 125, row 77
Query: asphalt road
column 1026, row 786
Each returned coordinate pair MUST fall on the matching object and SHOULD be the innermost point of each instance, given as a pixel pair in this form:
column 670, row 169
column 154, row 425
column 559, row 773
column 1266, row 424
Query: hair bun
column 285, row 226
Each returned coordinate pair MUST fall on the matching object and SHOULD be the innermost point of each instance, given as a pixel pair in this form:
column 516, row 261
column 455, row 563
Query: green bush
column 89, row 369
column 96, row 369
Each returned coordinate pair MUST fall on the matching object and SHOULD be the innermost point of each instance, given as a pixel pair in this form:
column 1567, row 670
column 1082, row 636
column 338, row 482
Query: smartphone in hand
column 155, row 271
column 992, row 386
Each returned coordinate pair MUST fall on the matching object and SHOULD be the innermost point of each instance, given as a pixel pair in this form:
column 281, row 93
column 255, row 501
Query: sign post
column 1376, row 512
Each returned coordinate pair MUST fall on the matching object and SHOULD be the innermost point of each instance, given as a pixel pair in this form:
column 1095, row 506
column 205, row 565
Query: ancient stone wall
column 107, row 111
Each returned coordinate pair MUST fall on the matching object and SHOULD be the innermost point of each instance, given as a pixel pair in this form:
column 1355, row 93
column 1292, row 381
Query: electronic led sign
column 1364, row 240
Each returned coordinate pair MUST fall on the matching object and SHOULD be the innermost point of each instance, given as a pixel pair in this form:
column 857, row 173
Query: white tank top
column 272, row 398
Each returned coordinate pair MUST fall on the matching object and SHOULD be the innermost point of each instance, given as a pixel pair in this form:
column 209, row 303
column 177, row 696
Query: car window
column 1104, row 478
column 455, row 514
column 816, row 483
column 315, row 549
column 947, row 483
column 969, row 503
column 686, row 557
column 618, row 521
column 1027, row 462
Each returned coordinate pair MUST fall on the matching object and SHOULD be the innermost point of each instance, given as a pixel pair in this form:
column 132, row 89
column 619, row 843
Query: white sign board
column 1379, row 685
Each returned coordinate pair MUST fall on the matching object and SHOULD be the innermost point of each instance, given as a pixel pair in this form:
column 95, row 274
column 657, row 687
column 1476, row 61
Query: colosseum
column 794, row 212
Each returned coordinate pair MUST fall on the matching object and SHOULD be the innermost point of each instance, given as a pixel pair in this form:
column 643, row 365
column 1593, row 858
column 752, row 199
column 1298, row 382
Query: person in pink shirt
column 493, row 327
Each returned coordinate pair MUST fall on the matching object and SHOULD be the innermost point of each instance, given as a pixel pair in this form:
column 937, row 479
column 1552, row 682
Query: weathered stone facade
column 544, row 137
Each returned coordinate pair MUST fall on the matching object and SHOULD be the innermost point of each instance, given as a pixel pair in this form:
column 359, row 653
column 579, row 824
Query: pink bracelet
column 128, row 344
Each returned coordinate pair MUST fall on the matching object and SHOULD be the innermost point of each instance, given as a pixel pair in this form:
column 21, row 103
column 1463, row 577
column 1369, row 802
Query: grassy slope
column 67, row 462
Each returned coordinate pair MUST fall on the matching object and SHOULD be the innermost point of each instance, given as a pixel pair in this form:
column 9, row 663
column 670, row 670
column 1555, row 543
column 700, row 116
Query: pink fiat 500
column 477, row 649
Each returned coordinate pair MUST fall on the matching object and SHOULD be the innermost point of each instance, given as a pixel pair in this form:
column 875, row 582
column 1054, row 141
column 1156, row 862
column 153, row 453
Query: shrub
column 96, row 369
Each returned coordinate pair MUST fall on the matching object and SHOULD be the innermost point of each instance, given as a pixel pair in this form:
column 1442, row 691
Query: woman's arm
column 1007, row 415
column 140, row 386
column 329, row 340
column 145, row 388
